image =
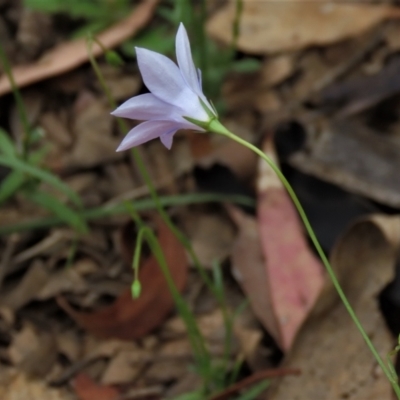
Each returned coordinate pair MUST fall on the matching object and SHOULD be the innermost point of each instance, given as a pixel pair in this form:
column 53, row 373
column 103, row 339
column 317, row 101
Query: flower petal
column 147, row 106
column 199, row 75
column 147, row 131
column 161, row 75
column 185, row 60
column 164, row 80
column 167, row 139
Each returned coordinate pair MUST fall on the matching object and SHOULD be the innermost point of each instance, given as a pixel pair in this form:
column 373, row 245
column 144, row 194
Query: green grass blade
column 7, row 146
column 11, row 184
column 58, row 208
column 140, row 205
column 21, row 166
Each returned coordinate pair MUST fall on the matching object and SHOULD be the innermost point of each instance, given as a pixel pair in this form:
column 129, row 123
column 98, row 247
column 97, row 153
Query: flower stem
column 201, row 353
column 216, row 127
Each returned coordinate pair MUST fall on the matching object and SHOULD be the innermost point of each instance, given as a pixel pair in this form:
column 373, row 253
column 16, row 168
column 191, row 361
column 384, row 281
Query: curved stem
column 216, row 127
column 201, row 353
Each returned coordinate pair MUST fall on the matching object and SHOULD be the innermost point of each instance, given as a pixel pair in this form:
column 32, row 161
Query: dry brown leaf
column 268, row 101
column 68, row 56
column 250, row 337
column 355, row 158
column 171, row 361
column 28, row 288
column 19, row 387
column 392, row 37
column 363, row 92
column 211, row 236
column 130, row 319
column 271, row 26
column 122, row 369
column 65, row 280
column 91, row 122
column 32, row 351
column 313, row 69
column 35, row 32
column 121, row 84
column 334, row 360
column 238, row 91
column 55, row 129
column 69, row 345
column 276, row 69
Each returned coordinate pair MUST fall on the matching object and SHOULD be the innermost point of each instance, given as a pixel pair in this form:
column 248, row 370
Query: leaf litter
column 331, row 100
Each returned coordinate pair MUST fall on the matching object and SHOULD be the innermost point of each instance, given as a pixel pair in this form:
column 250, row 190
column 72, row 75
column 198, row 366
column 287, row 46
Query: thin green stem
column 202, row 356
column 216, row 127
column 20, row 104
column 236, row 24
column 228, row 321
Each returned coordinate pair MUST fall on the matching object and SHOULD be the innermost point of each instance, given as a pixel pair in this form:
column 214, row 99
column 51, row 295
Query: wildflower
column 176, row 100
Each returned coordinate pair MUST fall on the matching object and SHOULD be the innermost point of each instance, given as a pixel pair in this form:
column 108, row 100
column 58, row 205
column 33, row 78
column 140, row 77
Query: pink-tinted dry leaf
column 129, row 319
column 68, row 56
column 295, row 275
column 334, row 361
column 248, row 265
column 87, row 389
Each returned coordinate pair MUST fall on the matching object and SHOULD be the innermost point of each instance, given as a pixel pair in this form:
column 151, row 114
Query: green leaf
column 117, row 209
column 113, row 58
column 246, row 65
column 35, row 157
column 42, row 175
column 6, row 144
column 11, row 184
column 58, row 208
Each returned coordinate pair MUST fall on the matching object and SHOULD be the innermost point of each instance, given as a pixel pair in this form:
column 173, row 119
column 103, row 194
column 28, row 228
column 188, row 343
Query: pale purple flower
column 176, row 93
